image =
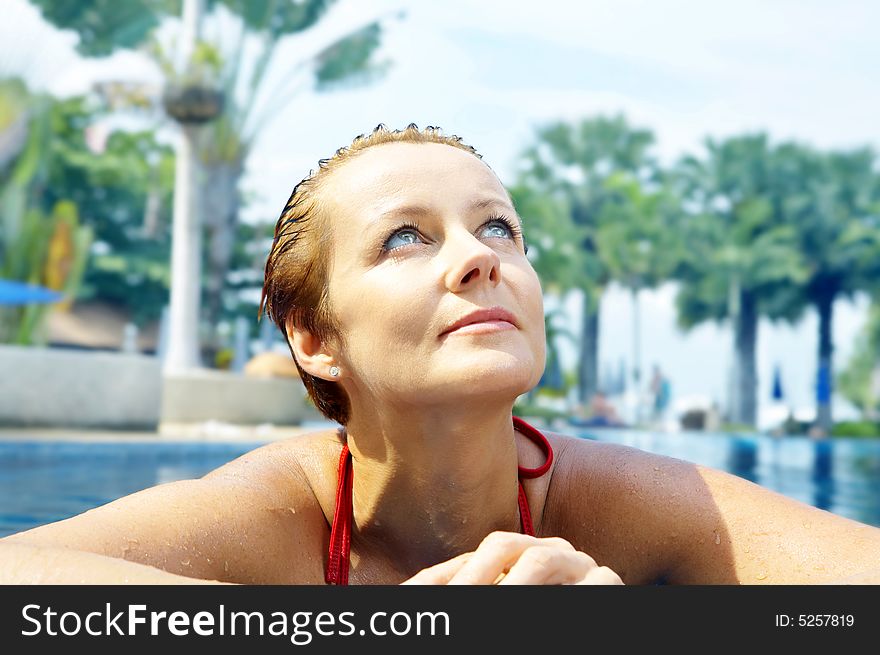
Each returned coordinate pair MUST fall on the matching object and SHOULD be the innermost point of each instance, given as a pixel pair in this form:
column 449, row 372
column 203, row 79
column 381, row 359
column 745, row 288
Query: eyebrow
column 423, row 210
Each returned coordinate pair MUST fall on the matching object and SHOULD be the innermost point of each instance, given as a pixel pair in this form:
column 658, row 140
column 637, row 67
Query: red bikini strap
column 541, row 441
column 525, row 514
column 340, row 532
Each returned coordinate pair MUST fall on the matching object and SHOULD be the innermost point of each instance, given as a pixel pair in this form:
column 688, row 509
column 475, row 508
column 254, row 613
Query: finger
column 439, row 573
column 494, row 556
column 601, row 576
column 498, row 552
column 549, row 566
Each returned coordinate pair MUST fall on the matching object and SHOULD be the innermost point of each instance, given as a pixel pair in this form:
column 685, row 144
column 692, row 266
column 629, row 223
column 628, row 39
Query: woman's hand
column 509, row 558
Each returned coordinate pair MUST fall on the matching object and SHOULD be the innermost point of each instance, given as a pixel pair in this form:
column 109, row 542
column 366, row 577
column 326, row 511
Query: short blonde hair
column 295, row 283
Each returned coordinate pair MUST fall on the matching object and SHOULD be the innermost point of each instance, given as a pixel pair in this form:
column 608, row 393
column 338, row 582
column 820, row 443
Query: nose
column 471, row 262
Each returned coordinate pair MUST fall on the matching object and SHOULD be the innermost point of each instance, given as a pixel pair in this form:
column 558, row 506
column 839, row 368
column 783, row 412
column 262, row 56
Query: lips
column 482, row 316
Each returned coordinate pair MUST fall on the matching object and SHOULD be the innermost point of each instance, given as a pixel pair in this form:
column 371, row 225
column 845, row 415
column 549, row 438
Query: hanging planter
column 192, row 104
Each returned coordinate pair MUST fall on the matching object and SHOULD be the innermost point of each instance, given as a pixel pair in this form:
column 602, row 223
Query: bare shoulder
column 654, row 518
column 247, row 521
column 304, row 465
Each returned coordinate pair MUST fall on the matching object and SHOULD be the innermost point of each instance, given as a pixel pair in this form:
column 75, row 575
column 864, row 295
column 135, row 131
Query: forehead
column 427, row 173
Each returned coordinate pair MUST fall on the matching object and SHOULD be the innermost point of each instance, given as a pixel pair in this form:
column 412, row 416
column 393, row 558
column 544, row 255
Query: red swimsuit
column 340, row 533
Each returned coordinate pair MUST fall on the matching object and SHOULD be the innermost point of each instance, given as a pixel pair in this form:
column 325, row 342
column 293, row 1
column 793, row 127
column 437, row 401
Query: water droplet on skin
column 807, row 525
column 717, row 538
column 226, row 566
column 292, row 511
column 656, row 468
column 818, row 567
column 761, row 576
column 185, row 562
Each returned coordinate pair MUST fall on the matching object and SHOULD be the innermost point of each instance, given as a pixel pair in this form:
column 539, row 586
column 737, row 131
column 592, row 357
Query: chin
column 502, row 373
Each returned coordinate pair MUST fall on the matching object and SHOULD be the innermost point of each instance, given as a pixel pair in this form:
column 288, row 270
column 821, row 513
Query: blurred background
column 698, row 181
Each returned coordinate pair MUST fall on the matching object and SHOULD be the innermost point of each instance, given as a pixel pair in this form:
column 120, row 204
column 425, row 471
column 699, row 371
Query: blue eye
column 499, row 228
column 405, row 236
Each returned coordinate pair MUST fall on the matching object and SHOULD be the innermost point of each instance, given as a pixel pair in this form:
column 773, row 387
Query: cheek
column 532, row 300
column 379, row 314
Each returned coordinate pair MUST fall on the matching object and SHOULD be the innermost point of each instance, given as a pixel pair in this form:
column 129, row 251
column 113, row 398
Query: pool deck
column 212, row 431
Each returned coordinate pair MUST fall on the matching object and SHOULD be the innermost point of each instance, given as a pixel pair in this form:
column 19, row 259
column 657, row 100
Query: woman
column 399, row 276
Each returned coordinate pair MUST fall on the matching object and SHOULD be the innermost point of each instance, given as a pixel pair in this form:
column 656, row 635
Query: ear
column 313, row 355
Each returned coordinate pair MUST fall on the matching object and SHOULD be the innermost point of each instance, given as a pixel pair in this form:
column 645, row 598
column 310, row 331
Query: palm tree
column 572, row 163
column 637, row 242
column 741, row 259
column 241, row 69
column 550, row 238
column 832, row 201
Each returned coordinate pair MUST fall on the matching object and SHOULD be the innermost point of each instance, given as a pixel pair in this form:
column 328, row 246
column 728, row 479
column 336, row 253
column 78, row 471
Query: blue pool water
column 44, row 481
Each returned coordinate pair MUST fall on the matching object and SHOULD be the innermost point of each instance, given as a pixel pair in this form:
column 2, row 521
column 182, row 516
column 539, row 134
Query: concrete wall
column 232, row 398
column 51, row 387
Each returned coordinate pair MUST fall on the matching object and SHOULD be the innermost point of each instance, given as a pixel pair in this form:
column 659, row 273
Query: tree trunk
column 637, row 353
column 222, row 203
column 182, row 353
column 588, row 366
column 824, row 373
column 745, row 342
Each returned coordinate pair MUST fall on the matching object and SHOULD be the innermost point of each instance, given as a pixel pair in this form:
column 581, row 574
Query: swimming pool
column 840, row 475
column 45, row 481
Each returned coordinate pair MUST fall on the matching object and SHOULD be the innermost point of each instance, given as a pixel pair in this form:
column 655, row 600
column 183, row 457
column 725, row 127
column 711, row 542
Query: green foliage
column 112, row 189
column 736, row 428
column 41, row 246
column 551, row 237
column 636, row 236
column 856, row 429
column 736, row 238
column 275, row 17
column 581, row 197
column 568, row 170
column 856, row 382
column 48, row 250
column 526, row 410
column 349, row 60
column 14, row 98
column 225, row 143
column 104, row 26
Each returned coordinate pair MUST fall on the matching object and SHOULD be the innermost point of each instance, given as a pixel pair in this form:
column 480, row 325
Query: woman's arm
column 654, row 518
column 247, row 522
column 773, row 539
column 21, row 563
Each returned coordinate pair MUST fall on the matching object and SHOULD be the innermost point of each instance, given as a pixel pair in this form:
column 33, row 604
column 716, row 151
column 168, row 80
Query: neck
column 431, row 486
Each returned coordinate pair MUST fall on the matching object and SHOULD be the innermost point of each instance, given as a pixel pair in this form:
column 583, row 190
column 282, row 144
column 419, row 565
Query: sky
column 493, row 70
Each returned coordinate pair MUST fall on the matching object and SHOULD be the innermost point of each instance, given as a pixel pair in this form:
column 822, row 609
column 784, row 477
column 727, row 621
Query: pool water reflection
column 840, row 475
column 45, row 481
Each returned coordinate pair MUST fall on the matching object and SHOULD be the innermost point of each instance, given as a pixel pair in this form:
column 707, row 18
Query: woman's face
column 421, row 239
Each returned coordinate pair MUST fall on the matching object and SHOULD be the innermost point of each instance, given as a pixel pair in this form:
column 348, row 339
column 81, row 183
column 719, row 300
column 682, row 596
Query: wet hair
column 295, row 286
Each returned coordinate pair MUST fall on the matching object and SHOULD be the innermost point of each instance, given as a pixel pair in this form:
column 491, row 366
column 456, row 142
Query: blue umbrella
column 777, row 384
column 19, row 293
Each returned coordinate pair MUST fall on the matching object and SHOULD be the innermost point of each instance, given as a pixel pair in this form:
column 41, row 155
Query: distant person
column 661, row 392
column 601, row 412
column 398, row 275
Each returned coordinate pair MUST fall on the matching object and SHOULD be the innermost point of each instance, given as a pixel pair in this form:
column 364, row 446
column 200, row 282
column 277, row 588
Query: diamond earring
column 334, row 371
